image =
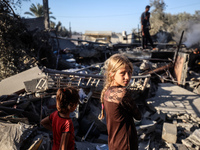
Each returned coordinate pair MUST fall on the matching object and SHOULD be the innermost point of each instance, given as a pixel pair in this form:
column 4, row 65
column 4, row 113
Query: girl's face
column 122, row 77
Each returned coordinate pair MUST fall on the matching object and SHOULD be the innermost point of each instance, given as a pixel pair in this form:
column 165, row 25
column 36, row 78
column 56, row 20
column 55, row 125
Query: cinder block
column 169, row 132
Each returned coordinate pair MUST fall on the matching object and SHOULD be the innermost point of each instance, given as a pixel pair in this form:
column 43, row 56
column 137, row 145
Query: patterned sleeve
column 66, row 126
column 128, row 103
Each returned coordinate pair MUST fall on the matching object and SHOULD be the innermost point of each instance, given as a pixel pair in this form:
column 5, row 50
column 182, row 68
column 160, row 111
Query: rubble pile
column 36, row 99
column 170, row 113
column 159, row 130
column 176, row 113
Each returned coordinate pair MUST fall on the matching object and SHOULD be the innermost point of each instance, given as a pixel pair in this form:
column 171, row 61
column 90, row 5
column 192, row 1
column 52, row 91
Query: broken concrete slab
column 174, row 99
column 187, row 143
column 169, row 133
column 195, row 137
column 15, row 83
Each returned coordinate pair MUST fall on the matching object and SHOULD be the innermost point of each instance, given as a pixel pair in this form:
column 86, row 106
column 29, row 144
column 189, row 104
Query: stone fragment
column 169, row 132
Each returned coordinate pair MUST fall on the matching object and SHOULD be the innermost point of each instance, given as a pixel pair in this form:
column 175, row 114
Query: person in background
column 60, row 122
column 145, row 26
column 120, row 108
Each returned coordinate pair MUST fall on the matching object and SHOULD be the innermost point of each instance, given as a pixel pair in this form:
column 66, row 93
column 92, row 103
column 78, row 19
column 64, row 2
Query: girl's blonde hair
column 111, row 65
column 65, row 97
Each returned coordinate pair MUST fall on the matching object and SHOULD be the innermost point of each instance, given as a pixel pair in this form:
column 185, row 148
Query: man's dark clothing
column 144, row 14
column 146, row 27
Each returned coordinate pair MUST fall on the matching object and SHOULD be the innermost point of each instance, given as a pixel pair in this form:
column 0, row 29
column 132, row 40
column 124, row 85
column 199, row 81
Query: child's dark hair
column 65, row 96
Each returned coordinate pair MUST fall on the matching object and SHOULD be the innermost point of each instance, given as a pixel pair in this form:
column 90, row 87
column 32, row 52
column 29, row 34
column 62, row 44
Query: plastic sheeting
column 13, row 135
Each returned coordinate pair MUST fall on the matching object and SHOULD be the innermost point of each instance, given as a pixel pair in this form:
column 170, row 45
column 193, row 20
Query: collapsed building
column 165, row 85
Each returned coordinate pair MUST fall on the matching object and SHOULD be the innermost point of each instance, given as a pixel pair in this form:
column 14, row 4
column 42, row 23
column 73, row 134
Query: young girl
column 59, row 121
column 120, row 108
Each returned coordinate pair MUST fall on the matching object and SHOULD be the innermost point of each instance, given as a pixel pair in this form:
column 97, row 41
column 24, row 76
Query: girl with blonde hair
column 120, row 108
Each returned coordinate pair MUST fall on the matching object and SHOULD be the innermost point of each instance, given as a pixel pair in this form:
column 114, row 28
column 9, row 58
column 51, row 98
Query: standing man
column 145, row 25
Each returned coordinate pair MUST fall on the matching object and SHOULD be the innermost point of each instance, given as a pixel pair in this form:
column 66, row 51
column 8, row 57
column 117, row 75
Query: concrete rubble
column 169, row 133
column 165, row 91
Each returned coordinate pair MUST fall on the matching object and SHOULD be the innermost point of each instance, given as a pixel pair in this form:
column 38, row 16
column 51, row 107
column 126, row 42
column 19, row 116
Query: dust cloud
column 192, row 35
